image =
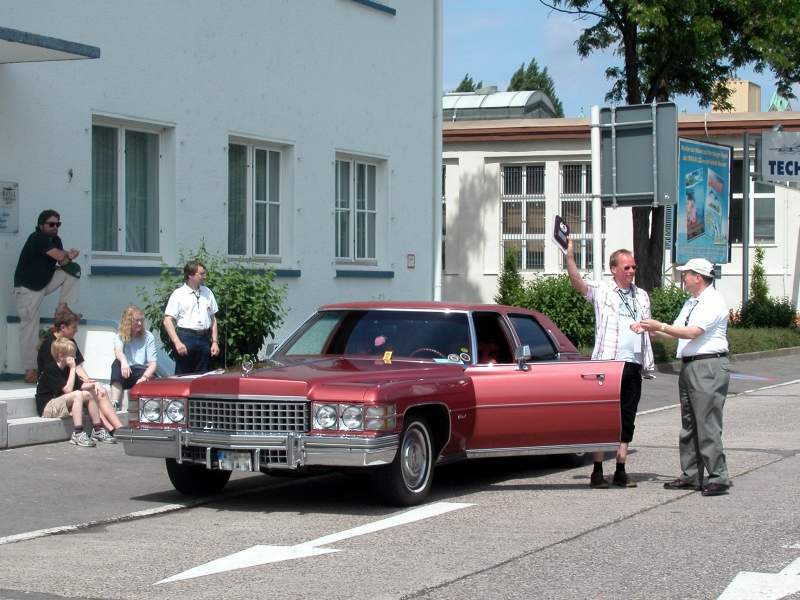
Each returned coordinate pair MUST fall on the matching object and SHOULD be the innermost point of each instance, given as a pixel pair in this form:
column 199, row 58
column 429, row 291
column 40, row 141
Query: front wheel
column 407, row 481
column 196, row 480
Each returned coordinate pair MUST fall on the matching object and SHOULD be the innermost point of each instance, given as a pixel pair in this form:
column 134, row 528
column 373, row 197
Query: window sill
column 363, row 273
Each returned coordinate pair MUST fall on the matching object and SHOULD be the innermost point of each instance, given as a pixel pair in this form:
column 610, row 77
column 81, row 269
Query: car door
column 552, row 403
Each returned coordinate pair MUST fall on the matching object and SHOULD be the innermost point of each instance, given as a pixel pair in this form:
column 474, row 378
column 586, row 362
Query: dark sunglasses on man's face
column 53, row 223
column 629, row 268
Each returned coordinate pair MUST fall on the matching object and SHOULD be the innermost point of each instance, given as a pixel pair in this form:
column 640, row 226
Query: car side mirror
column 521, row 355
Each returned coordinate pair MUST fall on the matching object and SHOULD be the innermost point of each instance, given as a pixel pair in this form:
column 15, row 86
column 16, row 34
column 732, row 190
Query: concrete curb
column 675, row 366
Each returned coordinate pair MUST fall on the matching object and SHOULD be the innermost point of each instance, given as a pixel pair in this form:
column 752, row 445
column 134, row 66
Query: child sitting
column 60, row 393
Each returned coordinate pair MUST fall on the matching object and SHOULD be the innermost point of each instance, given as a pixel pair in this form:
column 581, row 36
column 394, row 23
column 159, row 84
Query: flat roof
column 21, row 46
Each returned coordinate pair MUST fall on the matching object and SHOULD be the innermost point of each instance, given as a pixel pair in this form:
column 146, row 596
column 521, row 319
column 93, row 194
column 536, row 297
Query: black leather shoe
column 715, row 489
column 597, row 481
column 681, row 484
column 621, row 479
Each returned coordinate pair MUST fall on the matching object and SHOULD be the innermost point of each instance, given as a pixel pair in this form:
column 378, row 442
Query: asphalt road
column 515, row 528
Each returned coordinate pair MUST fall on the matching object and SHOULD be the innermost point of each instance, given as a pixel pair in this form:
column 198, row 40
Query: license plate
column 230, row 460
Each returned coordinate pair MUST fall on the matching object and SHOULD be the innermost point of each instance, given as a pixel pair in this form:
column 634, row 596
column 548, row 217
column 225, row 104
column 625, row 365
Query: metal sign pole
column 597, row 214
column 745, row 218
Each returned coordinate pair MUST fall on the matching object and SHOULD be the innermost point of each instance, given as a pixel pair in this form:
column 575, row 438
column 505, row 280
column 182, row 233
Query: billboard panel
column 704, row 172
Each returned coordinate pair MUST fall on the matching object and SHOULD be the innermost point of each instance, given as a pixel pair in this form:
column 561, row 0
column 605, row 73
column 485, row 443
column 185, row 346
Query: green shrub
column 666, row 302
column 555, row 297
column 510, row 286
column 250, row 304
column 761, row 310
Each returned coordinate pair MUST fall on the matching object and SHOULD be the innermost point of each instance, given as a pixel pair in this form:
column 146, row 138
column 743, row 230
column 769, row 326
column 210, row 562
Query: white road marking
column 792, row 546
column 139, row 514
column 744, row 376
column 262, row 554
column 748, row 585
column 754, row 390
column 32, row 535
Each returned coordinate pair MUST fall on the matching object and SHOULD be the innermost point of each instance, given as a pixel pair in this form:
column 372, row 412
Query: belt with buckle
column 687, row 359
column 197, row 332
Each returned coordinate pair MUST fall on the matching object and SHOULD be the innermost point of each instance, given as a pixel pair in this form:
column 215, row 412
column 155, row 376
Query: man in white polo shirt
column 701, row 330
column 190, row 321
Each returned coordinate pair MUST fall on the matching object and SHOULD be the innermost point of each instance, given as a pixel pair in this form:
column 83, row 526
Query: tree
column 690, row 47
column 510, row 286
column 531, row 78
column 250, row 304
column 468, row 85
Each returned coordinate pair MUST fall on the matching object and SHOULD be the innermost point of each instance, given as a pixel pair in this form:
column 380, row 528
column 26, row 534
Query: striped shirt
column 609, row 301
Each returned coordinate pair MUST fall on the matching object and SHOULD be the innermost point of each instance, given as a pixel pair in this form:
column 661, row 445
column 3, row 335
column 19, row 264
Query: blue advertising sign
column 704, row 173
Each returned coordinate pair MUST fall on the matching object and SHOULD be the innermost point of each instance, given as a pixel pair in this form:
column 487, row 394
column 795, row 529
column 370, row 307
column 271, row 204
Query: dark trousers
column 630, row 393
column 198, row 353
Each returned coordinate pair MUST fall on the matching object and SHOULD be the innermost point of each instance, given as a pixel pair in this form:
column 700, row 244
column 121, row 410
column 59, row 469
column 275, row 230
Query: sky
column 490, row 40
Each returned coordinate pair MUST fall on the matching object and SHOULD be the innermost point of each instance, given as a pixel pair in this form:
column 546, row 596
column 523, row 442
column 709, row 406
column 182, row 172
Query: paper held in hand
column 560, row 233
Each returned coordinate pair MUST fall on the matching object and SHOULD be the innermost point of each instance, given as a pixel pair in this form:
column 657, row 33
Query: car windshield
column 404, row 333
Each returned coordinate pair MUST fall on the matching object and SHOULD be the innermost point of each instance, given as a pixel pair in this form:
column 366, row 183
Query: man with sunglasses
column 701, row 329
column 618, row 305
column 37, row 275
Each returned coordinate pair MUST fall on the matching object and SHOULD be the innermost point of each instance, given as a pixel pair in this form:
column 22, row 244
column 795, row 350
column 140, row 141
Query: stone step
column 24, row 406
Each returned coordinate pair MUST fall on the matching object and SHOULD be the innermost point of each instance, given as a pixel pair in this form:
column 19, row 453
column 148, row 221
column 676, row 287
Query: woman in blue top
column 135, row 352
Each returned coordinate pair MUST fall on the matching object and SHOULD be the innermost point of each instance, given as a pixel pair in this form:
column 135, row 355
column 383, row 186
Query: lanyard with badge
column 632, row 311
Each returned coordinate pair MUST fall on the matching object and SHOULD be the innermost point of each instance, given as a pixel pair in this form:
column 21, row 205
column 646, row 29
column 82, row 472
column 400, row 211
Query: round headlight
column 353, row 417
column 326, row 416
column 151, row 410
column 175, row 411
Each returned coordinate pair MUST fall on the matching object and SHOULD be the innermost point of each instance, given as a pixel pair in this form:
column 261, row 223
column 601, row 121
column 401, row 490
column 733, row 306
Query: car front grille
column 250, row 416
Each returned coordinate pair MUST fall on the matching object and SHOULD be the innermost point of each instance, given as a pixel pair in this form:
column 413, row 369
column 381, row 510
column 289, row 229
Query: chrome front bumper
column 301, row 449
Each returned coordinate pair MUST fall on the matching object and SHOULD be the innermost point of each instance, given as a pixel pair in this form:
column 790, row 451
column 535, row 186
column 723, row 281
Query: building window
column 355, row 209
column 762, row 215
column 576, row 210
column 254, row 200
column 125, row 189
column 522, row 216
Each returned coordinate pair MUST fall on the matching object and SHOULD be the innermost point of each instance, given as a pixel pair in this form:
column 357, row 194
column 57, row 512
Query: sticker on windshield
column 387, row 357
column 453, row 357
column 465, row 357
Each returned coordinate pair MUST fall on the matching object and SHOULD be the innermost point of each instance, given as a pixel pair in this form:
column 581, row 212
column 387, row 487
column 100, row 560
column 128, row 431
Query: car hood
column 300, row 377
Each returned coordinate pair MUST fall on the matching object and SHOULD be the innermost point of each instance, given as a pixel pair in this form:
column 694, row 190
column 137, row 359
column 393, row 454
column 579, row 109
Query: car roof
column 424, row 305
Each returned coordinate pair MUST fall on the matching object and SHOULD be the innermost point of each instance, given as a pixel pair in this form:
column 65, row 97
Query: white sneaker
column 82, row 439
column 103, row 436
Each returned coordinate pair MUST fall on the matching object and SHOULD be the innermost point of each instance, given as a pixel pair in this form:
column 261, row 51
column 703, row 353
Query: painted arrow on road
column 262, row 555
column 764, row 586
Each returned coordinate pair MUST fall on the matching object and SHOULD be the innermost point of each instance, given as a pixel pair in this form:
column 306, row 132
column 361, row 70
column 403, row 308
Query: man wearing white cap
column 701, row 331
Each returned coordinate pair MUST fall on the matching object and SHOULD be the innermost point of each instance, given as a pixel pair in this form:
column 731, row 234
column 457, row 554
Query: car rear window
column 532, row 334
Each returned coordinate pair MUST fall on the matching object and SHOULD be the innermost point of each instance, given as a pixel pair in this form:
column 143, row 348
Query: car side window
column 532, row 334
column 493, row 339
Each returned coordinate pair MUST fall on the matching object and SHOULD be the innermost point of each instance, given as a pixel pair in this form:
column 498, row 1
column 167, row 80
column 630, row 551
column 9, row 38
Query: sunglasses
column 629, row 268
column 53, row 223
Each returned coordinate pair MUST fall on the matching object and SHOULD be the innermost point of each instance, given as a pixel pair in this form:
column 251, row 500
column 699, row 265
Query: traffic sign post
column 639, row 155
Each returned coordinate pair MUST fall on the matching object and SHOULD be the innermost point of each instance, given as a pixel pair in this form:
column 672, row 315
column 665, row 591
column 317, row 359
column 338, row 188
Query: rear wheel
column 196, row 480
column 407, row 481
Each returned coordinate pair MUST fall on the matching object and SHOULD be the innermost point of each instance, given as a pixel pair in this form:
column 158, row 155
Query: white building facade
column 505, row 180
column 299, row 136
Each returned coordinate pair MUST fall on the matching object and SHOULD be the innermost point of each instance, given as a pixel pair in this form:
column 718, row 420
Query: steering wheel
column 424, row 349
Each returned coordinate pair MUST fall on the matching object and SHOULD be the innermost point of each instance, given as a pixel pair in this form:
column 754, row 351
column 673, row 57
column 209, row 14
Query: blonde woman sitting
column 135, row 352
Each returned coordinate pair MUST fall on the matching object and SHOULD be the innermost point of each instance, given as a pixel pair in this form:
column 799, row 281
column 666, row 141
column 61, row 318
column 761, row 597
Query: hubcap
column 415, row 458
